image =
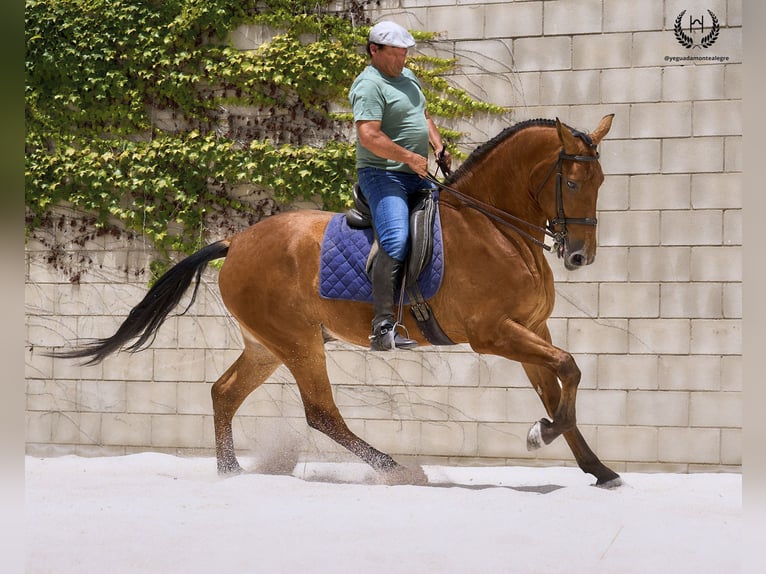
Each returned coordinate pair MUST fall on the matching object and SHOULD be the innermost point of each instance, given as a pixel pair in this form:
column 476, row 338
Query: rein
column 511, row 221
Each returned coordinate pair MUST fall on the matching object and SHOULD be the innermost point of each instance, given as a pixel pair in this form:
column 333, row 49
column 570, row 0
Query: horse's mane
column 483, row 150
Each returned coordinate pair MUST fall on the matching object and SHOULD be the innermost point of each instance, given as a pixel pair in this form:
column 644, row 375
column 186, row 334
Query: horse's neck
column 503, row 178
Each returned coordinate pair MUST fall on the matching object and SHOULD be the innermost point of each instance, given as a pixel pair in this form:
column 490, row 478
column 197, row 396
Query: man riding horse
column 393, row 134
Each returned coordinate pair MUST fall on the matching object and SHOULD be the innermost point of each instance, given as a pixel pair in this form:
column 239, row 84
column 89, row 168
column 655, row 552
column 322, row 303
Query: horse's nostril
column 577, row 260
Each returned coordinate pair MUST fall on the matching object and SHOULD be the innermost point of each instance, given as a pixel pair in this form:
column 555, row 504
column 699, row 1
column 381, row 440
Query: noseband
column 509, row 220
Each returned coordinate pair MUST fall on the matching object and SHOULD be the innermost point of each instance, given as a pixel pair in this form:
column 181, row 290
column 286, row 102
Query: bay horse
column 535, row 178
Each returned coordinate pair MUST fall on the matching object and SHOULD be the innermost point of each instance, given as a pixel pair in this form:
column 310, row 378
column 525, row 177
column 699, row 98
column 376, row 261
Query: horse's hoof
column 402, row 475
column 610, row 484
column 535, row 436
column 230, row 469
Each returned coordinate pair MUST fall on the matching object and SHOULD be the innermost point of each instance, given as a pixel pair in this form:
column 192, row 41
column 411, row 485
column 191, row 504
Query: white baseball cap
column 391, row 34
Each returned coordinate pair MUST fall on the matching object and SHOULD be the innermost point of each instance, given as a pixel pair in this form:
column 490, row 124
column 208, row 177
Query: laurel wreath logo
column 687, row 41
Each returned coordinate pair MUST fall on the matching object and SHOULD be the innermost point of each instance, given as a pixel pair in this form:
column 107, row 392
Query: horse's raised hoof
column 610, row 484
column 535, row 435
column 402, row 475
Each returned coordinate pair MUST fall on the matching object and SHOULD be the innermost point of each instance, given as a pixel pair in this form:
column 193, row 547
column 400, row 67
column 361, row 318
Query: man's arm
column 372, row 137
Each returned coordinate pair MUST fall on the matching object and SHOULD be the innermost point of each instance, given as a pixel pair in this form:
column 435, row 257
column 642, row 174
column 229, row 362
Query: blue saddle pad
column 344, row 257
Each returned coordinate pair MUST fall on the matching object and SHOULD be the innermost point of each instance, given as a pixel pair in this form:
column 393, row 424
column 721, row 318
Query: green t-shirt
column 400, row 106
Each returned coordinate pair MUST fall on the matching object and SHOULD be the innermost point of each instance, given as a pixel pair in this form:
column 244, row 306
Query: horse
column 535, row 178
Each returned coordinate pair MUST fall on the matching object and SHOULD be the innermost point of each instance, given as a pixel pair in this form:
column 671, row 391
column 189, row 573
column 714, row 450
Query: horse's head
column 568, row 191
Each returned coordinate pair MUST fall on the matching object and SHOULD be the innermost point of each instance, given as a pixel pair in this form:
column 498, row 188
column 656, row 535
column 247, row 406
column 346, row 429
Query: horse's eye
column 573, row 185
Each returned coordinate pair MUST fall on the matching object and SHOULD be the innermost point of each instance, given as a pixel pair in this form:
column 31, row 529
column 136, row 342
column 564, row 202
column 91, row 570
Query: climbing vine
column 142, row 114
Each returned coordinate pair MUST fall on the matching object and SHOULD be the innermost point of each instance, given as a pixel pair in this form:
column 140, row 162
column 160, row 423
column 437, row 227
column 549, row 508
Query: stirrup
column 385, row 338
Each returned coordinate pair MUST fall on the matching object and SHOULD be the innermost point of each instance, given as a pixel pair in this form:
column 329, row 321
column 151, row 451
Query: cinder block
column 692, row 83
column 716, row 263
column 395, row 437
column 500, row 372
column 524, row 406
column 204, row 332
column 659, row 336
column 693, row 155
column 601, row 407
column 503, row 440
column 614, row 194
column 101, row 396
column 399, row 369
column 631, row 157
column 627, row 443
column 718, row 118
column 629, row 228
column 55, row 395
column 449, row 438
column 663, row 191
column 543, row 54
column 630, row 16
column 129, row 366
column 716, row 191
column 716, row 409
column 457, row 22
column 628, row 372
column 423, row 403
column 611, row 264
column 38, row 427
column 732, row 301
column 622, row 85
column 689, row 445
column 661, row 120
column 75, row 428
column 462, row 369
column 584, row 17
column 513, row 19
column 732, row 227
column 691, row 300
column 51, row 331
column 650, row 48
column 733, row 80
column 182, row 431
column 629, row 300
column 731, row 373
column 733, row 153
column 181, row 365
column 194, row 398
column 122, row 429
column 731, row 446
column 362, row 402
column 716, row 337
column 570, row 87
column 690, row 373
column 576, row 300
column 482, row 404
column 152, row 397
column 659, row 263
column 699, row 227
column 657, row 408
column 598, row 336
column 485, row 57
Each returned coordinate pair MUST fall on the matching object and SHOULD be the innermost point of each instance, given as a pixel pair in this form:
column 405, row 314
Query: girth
column 422, row 214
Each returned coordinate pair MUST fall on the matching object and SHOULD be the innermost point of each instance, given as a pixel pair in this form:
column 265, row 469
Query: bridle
column 509, row 220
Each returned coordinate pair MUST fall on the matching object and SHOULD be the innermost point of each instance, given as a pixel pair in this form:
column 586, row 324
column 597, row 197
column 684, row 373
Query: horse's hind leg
column 546, row 384
column 307, row 363
column 247, row 373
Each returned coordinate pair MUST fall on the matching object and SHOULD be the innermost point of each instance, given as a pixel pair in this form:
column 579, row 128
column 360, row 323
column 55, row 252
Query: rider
column 393, row 133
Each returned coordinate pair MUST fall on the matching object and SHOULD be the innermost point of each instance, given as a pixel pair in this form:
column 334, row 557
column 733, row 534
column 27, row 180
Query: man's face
column 388, row 59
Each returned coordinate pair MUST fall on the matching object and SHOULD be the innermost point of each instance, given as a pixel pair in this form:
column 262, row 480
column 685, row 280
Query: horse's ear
column 602, row 129
column 567, row 139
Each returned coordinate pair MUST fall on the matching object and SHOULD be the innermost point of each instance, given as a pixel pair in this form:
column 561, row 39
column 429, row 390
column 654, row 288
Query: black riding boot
column 385, row 276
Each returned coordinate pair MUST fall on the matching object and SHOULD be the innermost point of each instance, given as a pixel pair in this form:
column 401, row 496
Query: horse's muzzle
column 578, row 258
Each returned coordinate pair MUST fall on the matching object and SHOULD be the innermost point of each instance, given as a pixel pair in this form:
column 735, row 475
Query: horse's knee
column 568, row 371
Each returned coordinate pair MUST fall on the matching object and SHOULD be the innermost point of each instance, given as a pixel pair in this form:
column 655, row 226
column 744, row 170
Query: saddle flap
column 360, row 215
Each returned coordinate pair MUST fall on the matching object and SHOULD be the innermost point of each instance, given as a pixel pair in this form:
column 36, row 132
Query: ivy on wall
column 99, row 74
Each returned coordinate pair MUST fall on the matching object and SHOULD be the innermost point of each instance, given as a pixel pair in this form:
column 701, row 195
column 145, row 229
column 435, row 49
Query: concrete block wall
column 654, row 323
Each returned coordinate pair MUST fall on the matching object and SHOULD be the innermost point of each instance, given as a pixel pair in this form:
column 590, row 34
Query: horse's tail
column 146, row 317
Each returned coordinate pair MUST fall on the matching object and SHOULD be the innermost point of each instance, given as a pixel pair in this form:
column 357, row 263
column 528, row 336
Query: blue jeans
column 387, row 193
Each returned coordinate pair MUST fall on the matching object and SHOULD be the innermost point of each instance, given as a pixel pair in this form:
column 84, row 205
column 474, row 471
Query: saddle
column 422, row 207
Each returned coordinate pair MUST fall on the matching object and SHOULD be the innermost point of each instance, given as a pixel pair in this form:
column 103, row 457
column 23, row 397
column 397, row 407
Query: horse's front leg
column 516, row 342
